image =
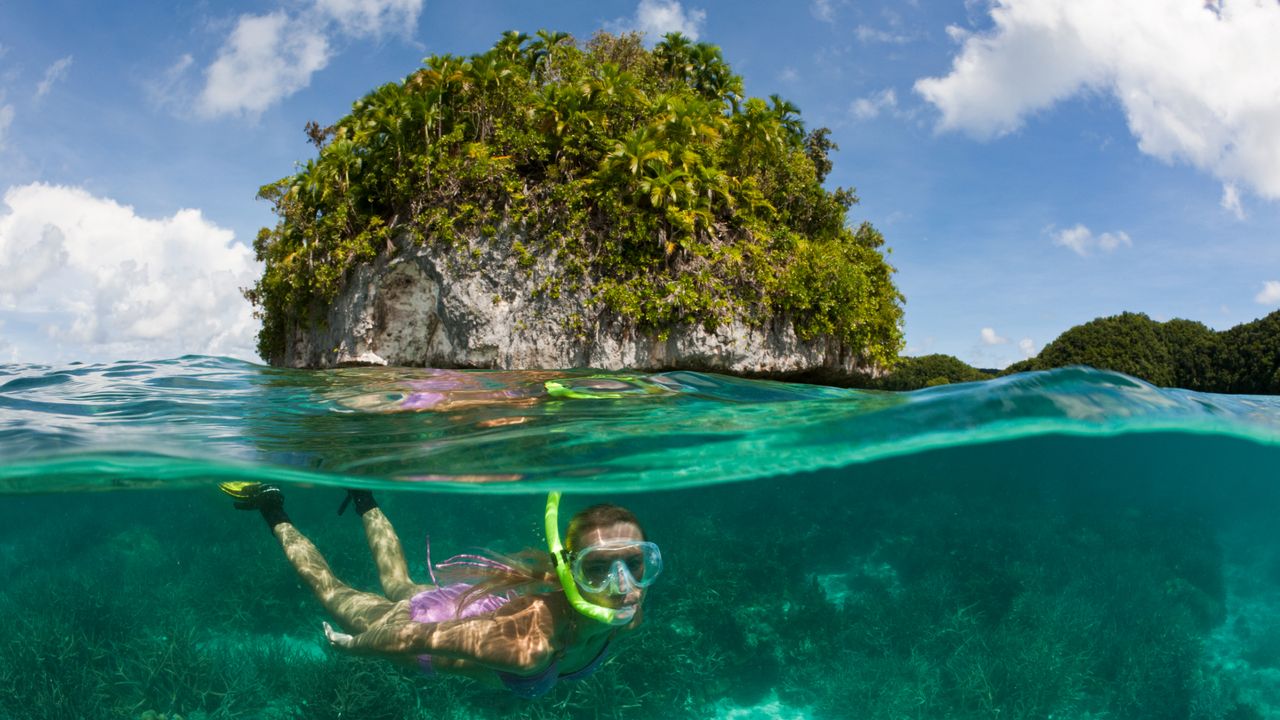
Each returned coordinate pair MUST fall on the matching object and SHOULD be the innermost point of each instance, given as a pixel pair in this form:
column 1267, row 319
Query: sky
column 1033, row 164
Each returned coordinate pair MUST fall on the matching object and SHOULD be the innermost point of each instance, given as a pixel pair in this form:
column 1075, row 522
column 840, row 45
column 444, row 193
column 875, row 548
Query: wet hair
column 598, row 516
column 529, row 571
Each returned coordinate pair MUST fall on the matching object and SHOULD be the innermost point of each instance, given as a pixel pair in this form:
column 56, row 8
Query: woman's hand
column 377, row 640
column 339, row 639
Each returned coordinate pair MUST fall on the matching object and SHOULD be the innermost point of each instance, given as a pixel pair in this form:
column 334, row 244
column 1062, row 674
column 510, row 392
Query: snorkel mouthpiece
column 599, row 613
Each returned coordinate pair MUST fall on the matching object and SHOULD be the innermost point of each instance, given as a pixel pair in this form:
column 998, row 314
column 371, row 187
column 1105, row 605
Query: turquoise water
column 1069, row 544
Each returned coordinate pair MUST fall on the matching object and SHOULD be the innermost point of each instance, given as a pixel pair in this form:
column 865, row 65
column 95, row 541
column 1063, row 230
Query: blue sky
column 1033, row 164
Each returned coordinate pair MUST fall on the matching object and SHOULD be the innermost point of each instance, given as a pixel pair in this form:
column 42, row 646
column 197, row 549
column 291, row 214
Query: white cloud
column 267, row 57
column 870, row 107
column 989, row 337
column 169, row 91
column 372, row 17
column 868, row 34
column 53, row 74
column 119, row 285
column 1197, row 84
column 823, row 11
column 1083, row 242
column 1270, row 294
column 1027, row 347
column 270, row 57
column 6, row 119
column 1231, row 200
column 656, row 18
column 958, row 34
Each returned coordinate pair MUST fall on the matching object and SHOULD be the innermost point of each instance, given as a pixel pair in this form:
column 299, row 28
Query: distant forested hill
column 1178, row 353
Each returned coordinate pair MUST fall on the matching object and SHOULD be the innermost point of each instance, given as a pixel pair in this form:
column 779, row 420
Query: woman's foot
column 361, row 499
column 267, row 499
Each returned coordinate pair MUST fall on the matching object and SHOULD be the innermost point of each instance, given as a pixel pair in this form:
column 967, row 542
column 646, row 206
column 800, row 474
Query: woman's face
column 622, row 531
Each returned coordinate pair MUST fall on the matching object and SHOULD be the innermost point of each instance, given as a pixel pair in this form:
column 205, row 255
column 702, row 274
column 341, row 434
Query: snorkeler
column 523, row 622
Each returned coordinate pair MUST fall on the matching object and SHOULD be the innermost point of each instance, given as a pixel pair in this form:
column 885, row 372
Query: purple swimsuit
column 441, row 604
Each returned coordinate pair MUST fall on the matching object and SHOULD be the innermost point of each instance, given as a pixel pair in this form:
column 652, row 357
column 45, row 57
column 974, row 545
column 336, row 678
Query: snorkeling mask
column 617, row 566
column 607, row 567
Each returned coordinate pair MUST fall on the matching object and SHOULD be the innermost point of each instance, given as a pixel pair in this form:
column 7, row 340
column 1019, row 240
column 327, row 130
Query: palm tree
column 307, row 186
column 789, row 119
column 425, row 115
column 511, row 47
column 711, row 76
column 674, row 54
column 712, row 185
column 612, row 87
column 341, row 159
column 541, row 55
column 558, row 106
column 444, row 78
column 635, row 154
column 382, row 122
column 683, row 120
column 665, row 188
column 756, row 134
column 487, row 75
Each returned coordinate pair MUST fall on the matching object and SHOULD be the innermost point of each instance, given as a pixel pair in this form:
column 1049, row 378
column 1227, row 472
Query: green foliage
column 649, row 172
column 913, row 373
column 1129, row 343
column 1177, row 353
column 1248, row 358
column 1191, row 347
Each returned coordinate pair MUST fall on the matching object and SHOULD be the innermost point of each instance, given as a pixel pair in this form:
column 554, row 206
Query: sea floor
column 943, row 585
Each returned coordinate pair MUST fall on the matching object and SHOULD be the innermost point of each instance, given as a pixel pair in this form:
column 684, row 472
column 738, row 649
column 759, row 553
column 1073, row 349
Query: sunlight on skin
column 599, row 536
column 512, row 639
column 521, row 637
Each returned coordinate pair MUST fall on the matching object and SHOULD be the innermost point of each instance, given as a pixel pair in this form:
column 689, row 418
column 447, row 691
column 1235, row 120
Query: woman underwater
column 521, row 622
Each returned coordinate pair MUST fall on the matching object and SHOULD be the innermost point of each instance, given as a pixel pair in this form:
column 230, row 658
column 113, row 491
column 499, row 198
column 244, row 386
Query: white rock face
column 477, row 308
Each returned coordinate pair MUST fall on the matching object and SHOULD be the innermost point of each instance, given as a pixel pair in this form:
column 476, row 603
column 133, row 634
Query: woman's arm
column 517, row 638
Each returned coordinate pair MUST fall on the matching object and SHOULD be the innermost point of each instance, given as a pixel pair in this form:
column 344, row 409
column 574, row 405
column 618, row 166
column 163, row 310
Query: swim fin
column 253, row 495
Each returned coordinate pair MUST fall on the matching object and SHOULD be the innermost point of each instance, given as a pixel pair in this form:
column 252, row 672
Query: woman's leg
column 354, row 610
column 388, row 554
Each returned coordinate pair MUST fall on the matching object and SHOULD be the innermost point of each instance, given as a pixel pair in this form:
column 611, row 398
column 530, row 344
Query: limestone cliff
column 476, row 307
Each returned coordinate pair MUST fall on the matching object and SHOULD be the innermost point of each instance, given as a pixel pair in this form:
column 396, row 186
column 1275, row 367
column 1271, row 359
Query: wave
column 192, row 420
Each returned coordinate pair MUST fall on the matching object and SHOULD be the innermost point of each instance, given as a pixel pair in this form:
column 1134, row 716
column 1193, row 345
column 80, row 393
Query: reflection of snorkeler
column 436, row 390
column 522, row 622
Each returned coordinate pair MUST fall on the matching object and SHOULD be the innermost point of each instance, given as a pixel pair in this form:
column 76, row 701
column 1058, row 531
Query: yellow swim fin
column 253, row 495
column 241, row 489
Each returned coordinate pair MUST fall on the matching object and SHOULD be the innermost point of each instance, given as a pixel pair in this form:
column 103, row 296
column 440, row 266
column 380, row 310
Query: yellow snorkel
column 599, row 613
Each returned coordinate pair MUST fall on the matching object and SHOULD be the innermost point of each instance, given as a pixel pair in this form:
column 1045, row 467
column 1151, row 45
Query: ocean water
column 1067, row 544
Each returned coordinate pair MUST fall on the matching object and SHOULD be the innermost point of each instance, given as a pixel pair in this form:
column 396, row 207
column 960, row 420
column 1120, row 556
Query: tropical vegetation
column 649, row 177
column 913, row 373
column 1176, row 353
